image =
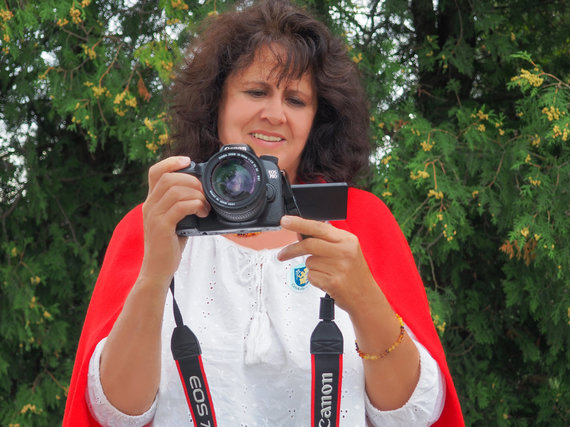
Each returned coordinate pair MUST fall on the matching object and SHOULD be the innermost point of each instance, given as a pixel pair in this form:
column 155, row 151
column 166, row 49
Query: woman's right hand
column 171, row 196
column 134, row 343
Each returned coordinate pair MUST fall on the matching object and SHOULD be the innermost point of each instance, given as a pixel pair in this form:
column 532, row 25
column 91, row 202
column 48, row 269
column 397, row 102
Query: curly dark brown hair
column 338, row 146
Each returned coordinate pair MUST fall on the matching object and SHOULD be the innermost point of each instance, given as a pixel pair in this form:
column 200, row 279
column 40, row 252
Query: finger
column 308, row 227
column 178, row 201
column 169, row 164
column 291, row 251
column 185, row 185
column 182, row 201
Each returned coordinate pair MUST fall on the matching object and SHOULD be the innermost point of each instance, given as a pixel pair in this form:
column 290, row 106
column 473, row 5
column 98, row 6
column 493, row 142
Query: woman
column 272, row 77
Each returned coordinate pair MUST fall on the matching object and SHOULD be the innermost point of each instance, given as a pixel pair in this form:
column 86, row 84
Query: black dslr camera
column 249, row 193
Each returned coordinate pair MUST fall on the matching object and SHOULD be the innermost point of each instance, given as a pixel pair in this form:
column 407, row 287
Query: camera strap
column 326, row 362
column 326, row 366
column 187, row 354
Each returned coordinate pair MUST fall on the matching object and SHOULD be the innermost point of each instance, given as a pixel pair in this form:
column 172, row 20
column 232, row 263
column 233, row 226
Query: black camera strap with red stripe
column 326, row 363
column 188, row 357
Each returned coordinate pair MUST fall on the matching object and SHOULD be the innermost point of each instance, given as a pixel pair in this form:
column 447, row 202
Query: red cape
column 384, row 246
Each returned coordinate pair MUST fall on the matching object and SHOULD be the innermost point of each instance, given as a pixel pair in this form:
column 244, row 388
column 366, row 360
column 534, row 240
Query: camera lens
column 234, row 179
column 235, row 185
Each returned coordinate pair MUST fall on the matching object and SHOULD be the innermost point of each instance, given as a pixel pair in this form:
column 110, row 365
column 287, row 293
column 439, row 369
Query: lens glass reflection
column 234, row 179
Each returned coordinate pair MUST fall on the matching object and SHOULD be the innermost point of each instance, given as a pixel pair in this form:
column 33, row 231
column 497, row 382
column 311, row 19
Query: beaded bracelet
column 367, row 356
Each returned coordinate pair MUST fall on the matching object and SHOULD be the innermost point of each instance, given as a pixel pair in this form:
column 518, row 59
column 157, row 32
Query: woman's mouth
column 267, row 138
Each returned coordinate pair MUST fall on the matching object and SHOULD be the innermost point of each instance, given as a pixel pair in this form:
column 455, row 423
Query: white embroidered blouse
column 254, row 316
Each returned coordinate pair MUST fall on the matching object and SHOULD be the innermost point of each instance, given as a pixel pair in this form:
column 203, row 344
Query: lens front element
column 234, row 179
column 235, row 185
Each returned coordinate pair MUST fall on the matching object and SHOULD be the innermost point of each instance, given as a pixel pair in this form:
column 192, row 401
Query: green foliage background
column 470, row 119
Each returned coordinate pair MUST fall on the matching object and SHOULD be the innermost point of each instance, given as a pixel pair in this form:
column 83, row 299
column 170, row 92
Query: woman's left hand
column 336, row 263
column 337, row 266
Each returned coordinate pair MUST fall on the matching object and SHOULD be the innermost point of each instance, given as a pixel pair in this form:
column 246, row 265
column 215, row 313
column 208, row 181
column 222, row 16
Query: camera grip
column 188, row 223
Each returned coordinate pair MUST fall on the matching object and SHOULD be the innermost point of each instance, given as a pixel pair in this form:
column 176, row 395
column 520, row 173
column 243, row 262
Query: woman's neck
column 265, row 240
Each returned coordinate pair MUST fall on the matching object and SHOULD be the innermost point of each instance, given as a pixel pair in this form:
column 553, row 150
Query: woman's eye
column 256, row 93
column 296, row 102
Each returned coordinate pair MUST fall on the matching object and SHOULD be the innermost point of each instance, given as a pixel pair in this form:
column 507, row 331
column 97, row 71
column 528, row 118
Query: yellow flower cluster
column 35, row 280
column 482, row 115
column 75, row 15
column 119, row 97
column 525, row 75
column 148, row 124
column 419, row 175
column 163, row 138
column 385, row 160
column 178, row 4
column 29, row 407
column 151, row 146
column 426, row 146
column 131, row 102
column 85, row 3
column 89, row 51
column 119, row 111
column 437, row 194
column 98, row 90
column 534, row 182
column 448, row 236
column 535, row 141
column 357, row 58
column 527, row 159
column 553, row 113
column 438, row 324
column 62, row 22
column 556, row 132
column 6, row 15
column 525, row 232
column 481, row 128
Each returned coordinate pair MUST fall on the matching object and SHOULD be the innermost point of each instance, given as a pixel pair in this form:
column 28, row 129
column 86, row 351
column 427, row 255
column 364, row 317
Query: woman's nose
column 273, row 111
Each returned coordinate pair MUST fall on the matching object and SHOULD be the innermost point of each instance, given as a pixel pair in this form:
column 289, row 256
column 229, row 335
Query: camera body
column 248, row 193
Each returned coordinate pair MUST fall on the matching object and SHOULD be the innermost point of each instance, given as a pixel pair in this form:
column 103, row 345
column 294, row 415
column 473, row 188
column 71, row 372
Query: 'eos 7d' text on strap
column 326, row 363
column 188, row 357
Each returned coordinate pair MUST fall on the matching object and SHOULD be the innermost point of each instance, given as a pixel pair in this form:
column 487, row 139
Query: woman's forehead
column 275, row 63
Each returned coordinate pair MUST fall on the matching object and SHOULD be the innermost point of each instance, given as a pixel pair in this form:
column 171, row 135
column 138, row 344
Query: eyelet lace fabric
column 100, row 407
column 254, row 316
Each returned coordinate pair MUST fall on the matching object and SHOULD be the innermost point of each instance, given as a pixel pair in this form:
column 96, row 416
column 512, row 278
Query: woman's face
column 273, row 119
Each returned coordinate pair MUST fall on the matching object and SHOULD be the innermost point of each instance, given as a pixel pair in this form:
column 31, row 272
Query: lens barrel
column 235, row 185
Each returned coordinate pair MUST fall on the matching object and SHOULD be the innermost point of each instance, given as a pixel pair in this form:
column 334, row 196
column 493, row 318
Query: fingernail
column 184, row 160
column 286, row 220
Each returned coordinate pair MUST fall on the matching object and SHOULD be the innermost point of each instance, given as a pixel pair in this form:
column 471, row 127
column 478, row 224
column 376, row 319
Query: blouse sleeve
column 426, row 402
column 100, row 408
